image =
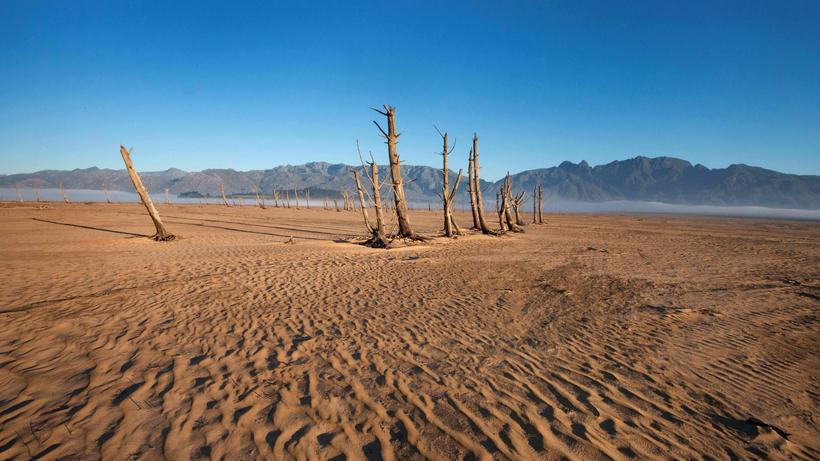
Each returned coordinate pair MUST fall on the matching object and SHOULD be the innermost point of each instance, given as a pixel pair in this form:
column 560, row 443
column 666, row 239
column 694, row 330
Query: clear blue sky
column 251, row 85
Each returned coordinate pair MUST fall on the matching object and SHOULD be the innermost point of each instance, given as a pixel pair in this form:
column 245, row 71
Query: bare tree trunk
column 19, row 195
column 166, row 197
column 222, row 192
column 477, row 183
column 534, row 203
column 540, row 205
column 287, row 197
column 276, row 198
column 517, row 201
column 307, row 198
column 445, row 187
column 402, row 215
column 105, row 191
column 361, row 201
column 296, row 194
column 336, row 204
column 498, row 210
column 162, row 234
column 325, row 205
column 471, row 190
column 62, row 192
column 260, row 198
column 37, row 195
column 506, row 201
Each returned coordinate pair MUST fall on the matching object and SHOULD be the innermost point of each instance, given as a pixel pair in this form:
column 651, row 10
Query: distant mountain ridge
column 660, row 179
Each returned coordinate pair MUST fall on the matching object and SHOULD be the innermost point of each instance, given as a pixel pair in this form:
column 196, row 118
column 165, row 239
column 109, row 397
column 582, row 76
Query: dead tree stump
column 162, row 234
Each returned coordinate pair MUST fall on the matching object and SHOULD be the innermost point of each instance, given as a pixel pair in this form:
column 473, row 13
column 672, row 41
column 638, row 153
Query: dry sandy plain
column 590, row 337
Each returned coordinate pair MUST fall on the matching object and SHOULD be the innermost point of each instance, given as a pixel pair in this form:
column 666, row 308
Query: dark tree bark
column 162, row 234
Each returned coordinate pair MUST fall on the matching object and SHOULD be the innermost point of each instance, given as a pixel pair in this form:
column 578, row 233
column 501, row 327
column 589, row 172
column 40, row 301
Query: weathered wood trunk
column 517, row 202
column 445, row 188
column 534, row 204
column 336, row 204
column 107, row 199
column 506, row 202
column 471, row 190
column 402, row 215
column 222, row 192
column 540, row 205
column 477, row 183
column 167, row 200
column 362, row 202
column 19, row 195
column 498, row 211
column 296, row 194
column 162, row 234
column 62, row 192
column 307, row 198
column 287, row 198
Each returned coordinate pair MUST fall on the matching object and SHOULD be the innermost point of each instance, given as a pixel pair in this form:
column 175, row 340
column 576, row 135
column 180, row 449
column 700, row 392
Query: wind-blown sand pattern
column 590, row 337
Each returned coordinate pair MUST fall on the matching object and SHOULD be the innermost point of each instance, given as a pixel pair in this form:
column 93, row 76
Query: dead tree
column 361, row 201
column 105, row 191
column 336, row 204
column 498, row 211
column 287, row 198
column 506, row 199
column 325, row 203
column 276, row 198
column 166, row 197
column 307, row 198
column 260, row 200
column 402, row 215
column 19, row 195
column 378, row 237
column 517, row 201
column 540, row 205
column 477, row 184
column 471, row 190
column 62, row 192
column 450, row 226
column 535, row 205
column 162, row 234
column 37, row 195
column 296, row 194
column 222, row 191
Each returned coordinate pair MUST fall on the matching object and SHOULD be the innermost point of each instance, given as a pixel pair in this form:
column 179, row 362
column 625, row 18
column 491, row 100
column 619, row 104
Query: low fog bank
column 659, row 207
column 551, row 206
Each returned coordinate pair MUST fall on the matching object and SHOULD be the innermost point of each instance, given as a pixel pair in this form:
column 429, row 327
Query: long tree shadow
column 91, row 228
column 335, row 231
column 247, row 231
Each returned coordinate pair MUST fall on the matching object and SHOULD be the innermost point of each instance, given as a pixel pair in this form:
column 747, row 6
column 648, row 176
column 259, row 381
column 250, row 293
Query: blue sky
column 251, row 85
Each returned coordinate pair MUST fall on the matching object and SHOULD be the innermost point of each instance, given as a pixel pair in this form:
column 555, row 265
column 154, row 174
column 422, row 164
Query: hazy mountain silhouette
column 661, row 179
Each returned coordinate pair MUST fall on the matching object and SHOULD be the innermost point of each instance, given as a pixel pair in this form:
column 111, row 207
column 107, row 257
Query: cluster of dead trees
column 508, row 205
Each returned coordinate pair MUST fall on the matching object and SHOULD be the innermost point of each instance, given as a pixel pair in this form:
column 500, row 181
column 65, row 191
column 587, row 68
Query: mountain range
column 659, row 179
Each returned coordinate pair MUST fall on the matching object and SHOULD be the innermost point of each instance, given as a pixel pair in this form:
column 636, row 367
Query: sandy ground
column 590, row 337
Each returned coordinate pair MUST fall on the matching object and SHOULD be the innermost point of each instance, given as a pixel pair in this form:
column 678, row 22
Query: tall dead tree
column 19, row 195
column 535, row 205
column 450, row 226
column 540, row 205
column 222, row 191
column 498, row 210
column 307, row 198
column 362, row 202
column 287, row 198
column 276, row 198
column 402, row 215
column 105, row 191
column 506, row 202
column 260, row 199
column 517, row 201
column 471, row 190
column 296, row 194
column 162, row 234
column 477, row 184
column 378, row 237
column 62, row 192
